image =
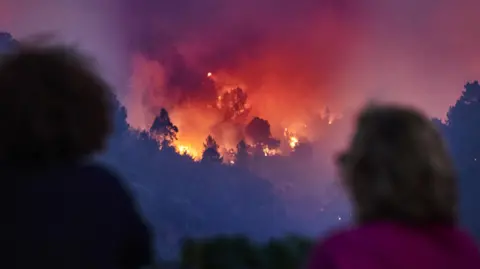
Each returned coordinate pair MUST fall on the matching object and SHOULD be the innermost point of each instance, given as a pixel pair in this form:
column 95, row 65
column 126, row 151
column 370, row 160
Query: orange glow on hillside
column 277, row 87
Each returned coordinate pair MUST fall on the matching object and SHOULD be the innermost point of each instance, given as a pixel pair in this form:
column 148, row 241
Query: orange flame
column 188, row 150
column 287, row 111
column 291, row 138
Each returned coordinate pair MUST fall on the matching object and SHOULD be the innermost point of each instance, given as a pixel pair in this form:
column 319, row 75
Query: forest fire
column 230, row 109
column 246, row 84
column 292, row 138
column 187, row 150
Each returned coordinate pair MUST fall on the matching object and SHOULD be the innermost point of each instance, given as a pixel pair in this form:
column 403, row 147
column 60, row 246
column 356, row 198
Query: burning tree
column 211, row 153
column 164, row 129
column 233, row 104
column 258, row 130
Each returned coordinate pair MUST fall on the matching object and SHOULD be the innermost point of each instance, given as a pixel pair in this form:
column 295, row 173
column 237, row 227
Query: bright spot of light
column 339, row 218
column 209, row 74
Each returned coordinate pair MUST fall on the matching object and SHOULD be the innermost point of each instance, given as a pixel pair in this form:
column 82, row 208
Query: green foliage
column 234, row 252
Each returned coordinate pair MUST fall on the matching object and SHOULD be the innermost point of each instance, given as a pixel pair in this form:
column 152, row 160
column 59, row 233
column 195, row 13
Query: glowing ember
column 292, row 138
column 270, row 152
column 293, row 142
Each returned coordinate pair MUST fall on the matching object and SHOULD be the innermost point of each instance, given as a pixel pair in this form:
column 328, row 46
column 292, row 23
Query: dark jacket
column 393, row 246
column 71, row 216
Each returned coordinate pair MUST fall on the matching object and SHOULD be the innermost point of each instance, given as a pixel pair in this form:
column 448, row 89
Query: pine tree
column 211, row 154
column 164, row 129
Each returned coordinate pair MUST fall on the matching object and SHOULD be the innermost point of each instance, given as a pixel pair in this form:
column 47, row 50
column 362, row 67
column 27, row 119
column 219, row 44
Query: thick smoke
column 284, row 55
column 293, row 58
column 419, row 52
column 298, row 52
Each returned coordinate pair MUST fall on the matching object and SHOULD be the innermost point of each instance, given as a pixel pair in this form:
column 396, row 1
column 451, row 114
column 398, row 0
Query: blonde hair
column 398, row 168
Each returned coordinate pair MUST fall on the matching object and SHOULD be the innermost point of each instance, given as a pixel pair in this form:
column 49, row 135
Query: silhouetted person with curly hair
column 59, row 208
column 403, row 187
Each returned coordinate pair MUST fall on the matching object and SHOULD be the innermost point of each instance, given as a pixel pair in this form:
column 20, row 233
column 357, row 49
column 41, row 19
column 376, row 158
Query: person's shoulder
column 339, row 234
column 348, row 238
column 466, row 244
column 96, row 168
column 104, row 182
column 330, row 251
column 333, row 240
column 100, row 175
column 98, row 172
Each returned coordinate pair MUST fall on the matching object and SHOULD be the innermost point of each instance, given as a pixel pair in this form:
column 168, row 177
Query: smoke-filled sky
column 91, row 24
column 304, row 53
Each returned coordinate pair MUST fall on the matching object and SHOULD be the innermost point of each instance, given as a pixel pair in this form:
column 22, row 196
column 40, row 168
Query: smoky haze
column 292, row 57
column 332, row 52
column 306, row 54
column 90, row 24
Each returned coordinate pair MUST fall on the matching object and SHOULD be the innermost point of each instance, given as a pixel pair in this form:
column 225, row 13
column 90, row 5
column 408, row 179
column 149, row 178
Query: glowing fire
column 292, row 138
column 236, row 99
column 270, row 152
column 188, row 150
column 293, row 142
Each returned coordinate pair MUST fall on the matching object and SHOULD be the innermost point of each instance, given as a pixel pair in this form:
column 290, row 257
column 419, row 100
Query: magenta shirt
column 393, row 246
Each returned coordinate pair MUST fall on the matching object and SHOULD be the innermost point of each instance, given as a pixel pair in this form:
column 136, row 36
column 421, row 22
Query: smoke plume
column 292, row 57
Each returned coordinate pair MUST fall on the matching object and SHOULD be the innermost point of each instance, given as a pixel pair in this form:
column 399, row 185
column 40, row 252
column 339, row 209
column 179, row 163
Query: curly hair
column 54, row 107
column 397, row 168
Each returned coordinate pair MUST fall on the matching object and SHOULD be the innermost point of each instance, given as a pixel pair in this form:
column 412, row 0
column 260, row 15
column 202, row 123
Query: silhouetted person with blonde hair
column 59, row 209
column 404, row 192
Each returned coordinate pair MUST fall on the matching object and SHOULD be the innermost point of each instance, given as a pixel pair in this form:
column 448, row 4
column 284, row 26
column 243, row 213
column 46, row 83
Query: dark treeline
column 239, row 252
column 183, row 198
column 462, row 132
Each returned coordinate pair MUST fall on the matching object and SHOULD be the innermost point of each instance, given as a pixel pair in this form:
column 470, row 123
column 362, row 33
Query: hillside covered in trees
column 183, row 198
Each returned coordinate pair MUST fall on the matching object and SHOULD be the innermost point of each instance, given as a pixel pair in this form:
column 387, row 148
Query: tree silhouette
column 234, row 105
column 7, row 43
column 119, row 116
column 258, row 130
column 241, row 252
column 463, row 132
column 164, row 129
column 211, row 154
column 242, row 157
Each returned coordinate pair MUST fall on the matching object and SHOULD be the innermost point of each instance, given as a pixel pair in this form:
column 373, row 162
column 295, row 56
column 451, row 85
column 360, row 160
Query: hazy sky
column 345, row 51
column 91, row 24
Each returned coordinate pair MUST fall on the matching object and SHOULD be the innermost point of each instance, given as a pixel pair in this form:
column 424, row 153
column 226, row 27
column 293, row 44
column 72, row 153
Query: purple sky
column 416, row 51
